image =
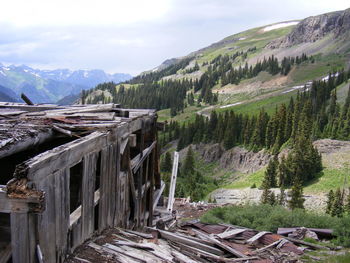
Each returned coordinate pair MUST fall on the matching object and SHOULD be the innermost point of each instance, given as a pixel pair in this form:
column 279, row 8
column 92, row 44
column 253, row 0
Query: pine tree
column 338, row 204
column 347, row 204
column 266, row 194
column 282, row 197
column 284, row 173
column 188, row 167
column 271, row 173
column 330, row 202
column 281, row 120
column 297, row 200
column 166, row 164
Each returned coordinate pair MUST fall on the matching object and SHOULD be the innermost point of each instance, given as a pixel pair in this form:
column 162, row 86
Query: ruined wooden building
column 69, row 172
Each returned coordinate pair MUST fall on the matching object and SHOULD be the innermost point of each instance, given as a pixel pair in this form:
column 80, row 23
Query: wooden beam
column 30, row 108
column 26, row 99
column 157, row 194
column 219, row 244
column 132, row 140
column 15, row 146
column 67, row 155
column 173, row 182
column 257, row 237
column 182, row 240
column 140, row 158
column 23, row 205
column 22, row 238
column 314, row 246
column 231, row 233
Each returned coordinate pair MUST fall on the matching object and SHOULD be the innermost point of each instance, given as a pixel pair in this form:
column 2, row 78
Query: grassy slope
column 253, row 38
column 267, row 99
column 336, row 171
column 189, row 114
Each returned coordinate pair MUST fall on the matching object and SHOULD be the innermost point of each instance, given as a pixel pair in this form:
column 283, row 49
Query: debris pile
column 192, row 242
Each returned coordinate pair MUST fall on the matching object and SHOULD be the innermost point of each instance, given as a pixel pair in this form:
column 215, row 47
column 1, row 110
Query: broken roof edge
column 23, row 131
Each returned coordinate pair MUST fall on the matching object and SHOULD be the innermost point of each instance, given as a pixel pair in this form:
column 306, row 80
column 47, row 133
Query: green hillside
column 247, row 90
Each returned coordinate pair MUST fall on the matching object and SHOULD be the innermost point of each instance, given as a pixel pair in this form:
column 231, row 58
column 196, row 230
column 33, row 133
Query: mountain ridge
column 50, row 86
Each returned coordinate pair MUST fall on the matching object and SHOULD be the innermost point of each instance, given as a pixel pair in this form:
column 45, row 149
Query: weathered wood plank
column 182, row 240
column 113, row 161
column 104, row 186
column 88, row 189
column 26, row 143
column 66, row 155
column 158, row 194
column 140, row 158
column 47, row 219
column 173, row 182
column 62, row 213
column 22, row 236
column 8, row 205
column 219, row 244
column 231, row 233
column 257, row 237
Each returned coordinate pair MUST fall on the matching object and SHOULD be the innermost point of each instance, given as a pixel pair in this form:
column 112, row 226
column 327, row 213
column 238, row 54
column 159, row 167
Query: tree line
column 163, row 95
column 312, row 114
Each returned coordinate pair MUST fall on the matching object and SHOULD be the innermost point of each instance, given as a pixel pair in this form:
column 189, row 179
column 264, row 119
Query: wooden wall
column 124, row 197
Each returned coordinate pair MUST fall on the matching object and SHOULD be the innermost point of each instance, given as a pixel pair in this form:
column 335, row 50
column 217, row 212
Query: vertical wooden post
column 22, row 238
column 151, row 190
column 88, row 190
column 173, row 182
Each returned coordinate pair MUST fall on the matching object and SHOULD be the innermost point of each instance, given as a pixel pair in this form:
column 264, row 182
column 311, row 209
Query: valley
column 263, row 72
column 230, row 141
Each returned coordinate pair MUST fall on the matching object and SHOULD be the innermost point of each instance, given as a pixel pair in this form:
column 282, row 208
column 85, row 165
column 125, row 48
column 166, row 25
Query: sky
column 131, row 36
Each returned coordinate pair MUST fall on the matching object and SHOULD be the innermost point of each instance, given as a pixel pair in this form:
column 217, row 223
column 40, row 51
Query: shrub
column 270, row 218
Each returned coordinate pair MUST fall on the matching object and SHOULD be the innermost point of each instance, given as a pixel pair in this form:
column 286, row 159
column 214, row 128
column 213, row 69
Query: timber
column 173, row 182
column 77, row 170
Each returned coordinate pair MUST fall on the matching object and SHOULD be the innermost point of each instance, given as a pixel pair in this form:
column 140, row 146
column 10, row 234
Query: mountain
column 324, row 39
column 7, row 95
column 87, row 78
column 270, row 90
column 49, row 86
column 316, row 28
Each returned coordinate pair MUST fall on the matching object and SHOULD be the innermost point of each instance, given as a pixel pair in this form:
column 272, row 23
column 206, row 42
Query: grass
column 329, row 179
column 245, row 181
column 269, row 104
column 322, row 66
column 338, row 259
column 342, row 92
column 189, row 114
column 254, row 37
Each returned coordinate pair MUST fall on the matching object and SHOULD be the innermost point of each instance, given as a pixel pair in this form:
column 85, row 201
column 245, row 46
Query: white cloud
column 132, row 35
column 24, row 13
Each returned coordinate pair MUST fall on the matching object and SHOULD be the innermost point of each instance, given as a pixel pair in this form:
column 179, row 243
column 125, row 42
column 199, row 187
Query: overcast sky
column 131, row 36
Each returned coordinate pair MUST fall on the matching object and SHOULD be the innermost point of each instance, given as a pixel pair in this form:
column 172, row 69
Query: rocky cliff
column 236, row 159
column 315, row 28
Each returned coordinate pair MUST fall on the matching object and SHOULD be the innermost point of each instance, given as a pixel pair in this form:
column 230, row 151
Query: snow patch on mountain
column 280, row 25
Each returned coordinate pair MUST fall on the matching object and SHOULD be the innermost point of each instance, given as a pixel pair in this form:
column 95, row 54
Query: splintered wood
column 189, row 242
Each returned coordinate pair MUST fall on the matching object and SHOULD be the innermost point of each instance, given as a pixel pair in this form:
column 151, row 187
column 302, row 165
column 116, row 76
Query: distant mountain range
column 50, row 86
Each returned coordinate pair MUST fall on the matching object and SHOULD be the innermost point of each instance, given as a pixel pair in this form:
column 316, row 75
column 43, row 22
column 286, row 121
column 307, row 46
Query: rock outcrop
column 315, row 28
column 236, row 159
